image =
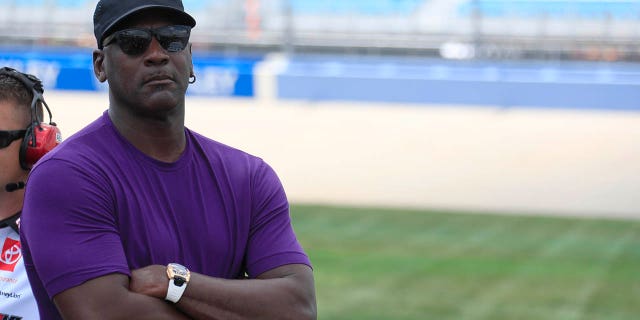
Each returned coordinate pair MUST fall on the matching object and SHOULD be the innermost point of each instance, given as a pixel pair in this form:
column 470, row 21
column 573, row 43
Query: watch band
column 174, row 292
column 179, row 277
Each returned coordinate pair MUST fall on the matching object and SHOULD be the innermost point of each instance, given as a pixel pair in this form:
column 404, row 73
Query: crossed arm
column 286, row 292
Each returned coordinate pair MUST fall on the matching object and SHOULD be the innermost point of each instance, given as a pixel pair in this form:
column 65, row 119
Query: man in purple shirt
column 138, row 217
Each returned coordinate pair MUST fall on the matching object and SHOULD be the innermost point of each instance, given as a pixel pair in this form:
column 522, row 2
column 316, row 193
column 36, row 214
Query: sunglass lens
column 134, row 41
column 7, row 137
column 4, row 140
column 173, row 38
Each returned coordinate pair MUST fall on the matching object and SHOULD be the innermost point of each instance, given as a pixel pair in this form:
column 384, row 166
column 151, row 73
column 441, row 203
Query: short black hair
column 14, row 90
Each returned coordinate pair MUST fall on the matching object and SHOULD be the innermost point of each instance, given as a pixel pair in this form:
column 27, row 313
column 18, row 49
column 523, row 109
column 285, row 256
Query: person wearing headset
column 20, row 104
column 138, row 217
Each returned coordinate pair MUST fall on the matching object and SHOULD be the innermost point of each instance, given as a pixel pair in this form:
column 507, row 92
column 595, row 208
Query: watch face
column 179, row 273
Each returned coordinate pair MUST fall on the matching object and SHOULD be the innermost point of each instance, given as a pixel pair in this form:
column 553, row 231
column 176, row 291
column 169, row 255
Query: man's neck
column 162, row 140
column 10, row 203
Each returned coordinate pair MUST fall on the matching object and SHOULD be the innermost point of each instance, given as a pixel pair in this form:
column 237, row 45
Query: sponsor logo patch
column 10, row 255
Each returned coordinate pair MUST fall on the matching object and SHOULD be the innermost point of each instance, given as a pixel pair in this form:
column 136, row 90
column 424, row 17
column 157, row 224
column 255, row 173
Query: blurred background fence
column 548, row 53
column 550, row 29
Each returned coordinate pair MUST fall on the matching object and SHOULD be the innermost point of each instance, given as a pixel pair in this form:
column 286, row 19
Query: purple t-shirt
column 96, row 205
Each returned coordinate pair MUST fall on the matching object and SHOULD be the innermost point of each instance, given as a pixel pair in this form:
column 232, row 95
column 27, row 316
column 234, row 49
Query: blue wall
column 72, row 69
column 64, row 69
column 506, row 84
column 579, row 85
column 221, row 76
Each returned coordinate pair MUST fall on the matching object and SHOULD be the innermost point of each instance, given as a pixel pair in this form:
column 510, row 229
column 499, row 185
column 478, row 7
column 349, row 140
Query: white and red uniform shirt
column 16, row 299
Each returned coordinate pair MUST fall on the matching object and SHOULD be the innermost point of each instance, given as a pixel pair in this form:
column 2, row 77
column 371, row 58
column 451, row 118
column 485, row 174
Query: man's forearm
column 275, row 298
column 107, row 297
column 285, row 292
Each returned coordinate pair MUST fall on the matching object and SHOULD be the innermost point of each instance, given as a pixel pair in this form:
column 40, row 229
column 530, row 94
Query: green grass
column 402, row 264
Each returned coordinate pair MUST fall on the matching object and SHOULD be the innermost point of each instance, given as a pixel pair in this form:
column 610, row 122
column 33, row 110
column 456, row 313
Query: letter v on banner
column 10, row 255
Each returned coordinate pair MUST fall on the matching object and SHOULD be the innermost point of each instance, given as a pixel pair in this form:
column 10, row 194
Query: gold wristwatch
column 179, row 277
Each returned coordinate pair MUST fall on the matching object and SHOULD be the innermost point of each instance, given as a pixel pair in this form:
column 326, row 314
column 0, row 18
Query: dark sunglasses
column 7, row 137
column 136, row 41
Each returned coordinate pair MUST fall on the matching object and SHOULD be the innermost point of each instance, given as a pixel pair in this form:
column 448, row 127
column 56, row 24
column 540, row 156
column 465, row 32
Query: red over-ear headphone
column 40, row 137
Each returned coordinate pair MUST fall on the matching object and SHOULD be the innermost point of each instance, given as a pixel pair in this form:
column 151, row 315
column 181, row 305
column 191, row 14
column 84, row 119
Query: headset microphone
column 11, row 187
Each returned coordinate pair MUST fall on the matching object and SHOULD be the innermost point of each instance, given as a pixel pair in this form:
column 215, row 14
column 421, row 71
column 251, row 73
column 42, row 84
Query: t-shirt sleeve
column 70, row 227
column 272, row 241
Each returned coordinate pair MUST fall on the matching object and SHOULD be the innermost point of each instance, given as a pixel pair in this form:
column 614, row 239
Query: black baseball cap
column 109, row 12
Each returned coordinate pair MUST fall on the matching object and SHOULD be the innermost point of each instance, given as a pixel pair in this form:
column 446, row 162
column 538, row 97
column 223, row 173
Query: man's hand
column 151, row 281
